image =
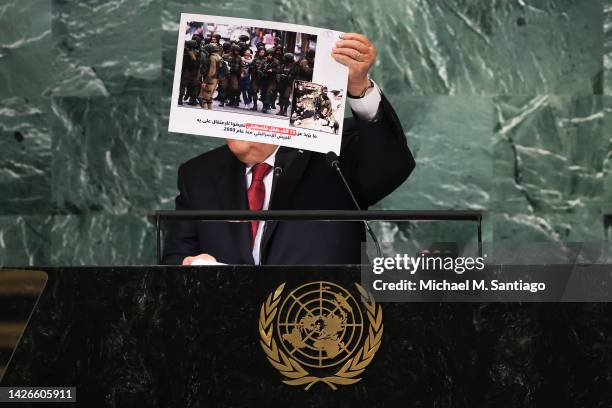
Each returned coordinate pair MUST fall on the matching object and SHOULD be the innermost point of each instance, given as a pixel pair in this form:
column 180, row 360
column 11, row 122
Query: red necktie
column 257, row 193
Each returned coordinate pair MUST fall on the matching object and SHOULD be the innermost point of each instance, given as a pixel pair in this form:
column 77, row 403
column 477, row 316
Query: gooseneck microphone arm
column 278, row 171
column 334, row 161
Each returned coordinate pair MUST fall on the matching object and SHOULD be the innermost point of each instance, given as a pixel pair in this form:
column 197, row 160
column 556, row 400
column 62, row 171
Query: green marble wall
column 503, row 103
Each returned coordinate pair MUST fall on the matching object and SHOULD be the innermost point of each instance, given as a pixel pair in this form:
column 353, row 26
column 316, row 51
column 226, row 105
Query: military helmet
column 210, row 48
column 288, row 57
column 243, row 46
column 197, row 38
column 244, row 38
column 270, row 51
column 191, row 44
column 226, row 46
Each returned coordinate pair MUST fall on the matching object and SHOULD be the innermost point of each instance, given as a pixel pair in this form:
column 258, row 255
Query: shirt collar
column 269, row 160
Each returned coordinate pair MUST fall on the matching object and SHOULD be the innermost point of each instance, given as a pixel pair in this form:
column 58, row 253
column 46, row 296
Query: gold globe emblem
column 320, row 325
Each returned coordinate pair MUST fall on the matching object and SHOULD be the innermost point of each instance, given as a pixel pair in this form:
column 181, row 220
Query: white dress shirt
column 365, row 108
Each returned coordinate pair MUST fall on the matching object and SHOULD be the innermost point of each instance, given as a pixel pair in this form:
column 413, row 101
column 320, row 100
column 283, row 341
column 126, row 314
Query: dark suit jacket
column 374, row 158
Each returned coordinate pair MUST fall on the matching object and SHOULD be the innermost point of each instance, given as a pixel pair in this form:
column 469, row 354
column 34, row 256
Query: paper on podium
column 201, row 262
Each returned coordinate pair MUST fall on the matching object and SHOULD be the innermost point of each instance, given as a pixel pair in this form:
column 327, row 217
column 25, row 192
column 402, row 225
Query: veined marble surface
column 503, row 104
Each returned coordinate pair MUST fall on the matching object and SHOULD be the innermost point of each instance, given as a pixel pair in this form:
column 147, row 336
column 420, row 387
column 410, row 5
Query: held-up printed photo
column 258, row 81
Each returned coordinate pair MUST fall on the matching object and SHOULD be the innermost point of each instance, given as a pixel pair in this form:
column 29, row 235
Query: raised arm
column 375, row 155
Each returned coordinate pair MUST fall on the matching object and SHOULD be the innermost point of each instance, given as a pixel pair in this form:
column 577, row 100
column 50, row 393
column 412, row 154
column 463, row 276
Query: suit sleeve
column 181, row 239
column 375, row 155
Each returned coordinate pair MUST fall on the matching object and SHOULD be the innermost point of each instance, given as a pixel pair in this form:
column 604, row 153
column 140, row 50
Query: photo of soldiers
column 315, row 107
column 247, row 69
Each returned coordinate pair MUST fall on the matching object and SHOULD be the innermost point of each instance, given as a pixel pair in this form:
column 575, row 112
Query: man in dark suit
column 374, row 158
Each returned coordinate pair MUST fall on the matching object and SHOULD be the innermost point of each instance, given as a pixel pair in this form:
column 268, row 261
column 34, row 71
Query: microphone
column 334, row 161
column 278, row 171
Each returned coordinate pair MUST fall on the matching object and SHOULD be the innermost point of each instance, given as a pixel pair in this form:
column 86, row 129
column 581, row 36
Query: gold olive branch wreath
column 294, row 372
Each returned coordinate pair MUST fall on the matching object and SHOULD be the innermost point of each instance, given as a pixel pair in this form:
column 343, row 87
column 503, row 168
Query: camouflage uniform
column 236, row 71
column 256, row 70
column 306, row 66
column 189, row 73
column 209, row 73
column 223, row 76
column 269, row 70
column 287, row 74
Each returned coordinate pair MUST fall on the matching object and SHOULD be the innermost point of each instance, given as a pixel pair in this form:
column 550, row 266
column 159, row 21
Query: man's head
column 211, row 48
column 288, row 58
column 250, row 152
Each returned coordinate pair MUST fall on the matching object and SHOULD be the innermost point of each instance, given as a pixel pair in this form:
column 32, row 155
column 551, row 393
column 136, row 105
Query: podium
column 192, row 337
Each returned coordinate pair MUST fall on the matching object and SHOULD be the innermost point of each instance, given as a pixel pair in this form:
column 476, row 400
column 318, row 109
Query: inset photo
column 316, row 107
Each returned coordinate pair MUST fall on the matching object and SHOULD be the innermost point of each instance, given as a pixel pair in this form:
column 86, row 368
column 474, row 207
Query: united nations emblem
column 318, row 333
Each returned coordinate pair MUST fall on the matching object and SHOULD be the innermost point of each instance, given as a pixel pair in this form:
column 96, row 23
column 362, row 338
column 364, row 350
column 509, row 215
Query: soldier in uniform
column 235, row 74
column 243, row 43
column 306, row 65
column 209, row 73
column 199, row 39
column 287, row 74
column 324, row 110
column 256, row 70
column 278, row 56
column 269, row 70
column 189, row 73
column 223, row 76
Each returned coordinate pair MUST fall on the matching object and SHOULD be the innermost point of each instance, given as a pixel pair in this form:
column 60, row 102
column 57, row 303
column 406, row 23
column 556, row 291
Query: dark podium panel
column 189, row 337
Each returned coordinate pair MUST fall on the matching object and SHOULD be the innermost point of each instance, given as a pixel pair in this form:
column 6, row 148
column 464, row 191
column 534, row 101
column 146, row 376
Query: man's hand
column 358, row 54
column 189, row 260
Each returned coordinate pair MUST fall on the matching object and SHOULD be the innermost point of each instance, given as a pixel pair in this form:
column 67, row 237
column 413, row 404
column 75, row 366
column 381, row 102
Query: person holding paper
column 374, row 157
